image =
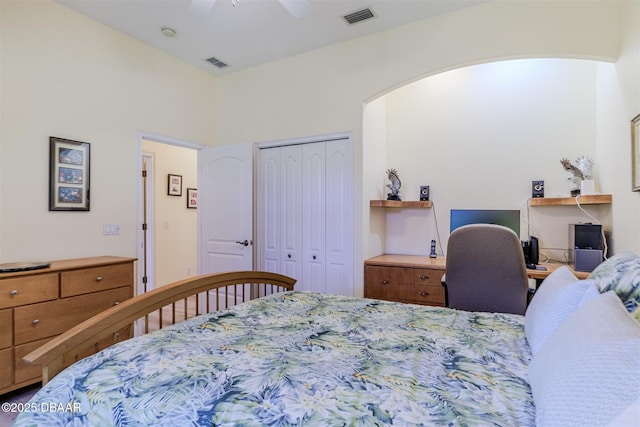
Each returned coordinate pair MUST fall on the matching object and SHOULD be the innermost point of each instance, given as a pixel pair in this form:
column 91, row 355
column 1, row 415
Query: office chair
column 486, row 270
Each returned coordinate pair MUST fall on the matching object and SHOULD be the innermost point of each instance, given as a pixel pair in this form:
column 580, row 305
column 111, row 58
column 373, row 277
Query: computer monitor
column 507, row 218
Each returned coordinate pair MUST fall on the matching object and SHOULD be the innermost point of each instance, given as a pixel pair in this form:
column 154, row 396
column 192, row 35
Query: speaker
column 537, row 189
column 531, row 252
column 534, row 250
column 424, row 193
column 586, row 246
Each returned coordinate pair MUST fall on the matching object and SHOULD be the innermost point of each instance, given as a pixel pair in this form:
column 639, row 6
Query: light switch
column 111, row 229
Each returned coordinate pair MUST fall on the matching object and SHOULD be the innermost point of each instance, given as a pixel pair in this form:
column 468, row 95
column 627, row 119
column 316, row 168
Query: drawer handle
column 36, row 321
column 384, row 282
column 423, row 277
column 99, row 278
column 14, row 292
column 423, row 294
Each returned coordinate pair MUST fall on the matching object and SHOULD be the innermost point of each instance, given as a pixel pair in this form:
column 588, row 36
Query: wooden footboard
column 209, row 293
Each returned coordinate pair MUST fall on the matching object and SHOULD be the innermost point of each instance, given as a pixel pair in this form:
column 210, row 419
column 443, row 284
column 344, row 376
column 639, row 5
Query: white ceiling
column 254, row 31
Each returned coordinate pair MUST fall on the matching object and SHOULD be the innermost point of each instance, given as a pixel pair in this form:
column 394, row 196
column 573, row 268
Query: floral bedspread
column 301, row 358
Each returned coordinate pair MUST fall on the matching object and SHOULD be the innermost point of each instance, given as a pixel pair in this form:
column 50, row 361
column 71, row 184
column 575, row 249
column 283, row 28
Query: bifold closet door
column 305, row 214
column 339, row 218
column 280, row 206
column 314, row 194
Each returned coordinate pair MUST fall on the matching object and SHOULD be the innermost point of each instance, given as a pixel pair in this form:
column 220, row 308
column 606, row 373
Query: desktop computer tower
column 586, row 246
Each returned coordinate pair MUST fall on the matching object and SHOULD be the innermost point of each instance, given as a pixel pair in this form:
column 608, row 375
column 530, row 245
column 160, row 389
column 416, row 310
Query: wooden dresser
column 37, row 305
column 405, row 278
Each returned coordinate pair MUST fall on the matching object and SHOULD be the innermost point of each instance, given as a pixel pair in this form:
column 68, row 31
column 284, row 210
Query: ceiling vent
column 217, row 62
column 359, row 16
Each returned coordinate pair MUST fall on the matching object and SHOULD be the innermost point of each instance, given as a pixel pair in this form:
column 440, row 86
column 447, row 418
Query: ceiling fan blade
column 201, row 7
column 297, row 8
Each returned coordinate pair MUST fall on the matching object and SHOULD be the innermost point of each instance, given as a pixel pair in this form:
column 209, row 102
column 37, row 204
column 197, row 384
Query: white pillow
column 630, row 417
column 588, row 372
column 558, row 296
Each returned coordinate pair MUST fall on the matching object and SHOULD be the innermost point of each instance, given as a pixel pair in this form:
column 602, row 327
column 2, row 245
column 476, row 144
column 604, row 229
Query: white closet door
column 305, row 214
column 269, row 211
column 291, row 206
column 339, row 218
column 313, row 216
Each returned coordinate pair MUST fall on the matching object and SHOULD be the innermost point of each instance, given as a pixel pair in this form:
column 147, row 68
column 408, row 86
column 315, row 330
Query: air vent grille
column 359, row 16
column 217, row 62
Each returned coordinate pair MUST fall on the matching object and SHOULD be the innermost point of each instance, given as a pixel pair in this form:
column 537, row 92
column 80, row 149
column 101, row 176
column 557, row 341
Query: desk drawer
column 87, row 280
column 422, row 294
column 47, row 319
column 28, row 289
column 381, row 282
column 425, row 276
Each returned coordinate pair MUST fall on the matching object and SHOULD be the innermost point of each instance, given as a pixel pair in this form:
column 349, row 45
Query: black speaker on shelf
column 424, row 193
column 537, row 189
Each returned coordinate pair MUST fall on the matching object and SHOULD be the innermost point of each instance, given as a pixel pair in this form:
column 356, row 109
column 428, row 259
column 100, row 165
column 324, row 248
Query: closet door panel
column 291, row 206
column 314, row 216
column 269, row 210
column 339, row 217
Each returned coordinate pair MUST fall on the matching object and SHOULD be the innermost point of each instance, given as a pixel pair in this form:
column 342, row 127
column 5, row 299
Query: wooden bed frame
column 242, row 285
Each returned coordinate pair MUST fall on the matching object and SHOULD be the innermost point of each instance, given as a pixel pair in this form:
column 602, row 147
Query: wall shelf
column 592, row 199
column 401, row 204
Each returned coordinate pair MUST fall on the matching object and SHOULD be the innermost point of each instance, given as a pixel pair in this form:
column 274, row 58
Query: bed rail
column 226, row 289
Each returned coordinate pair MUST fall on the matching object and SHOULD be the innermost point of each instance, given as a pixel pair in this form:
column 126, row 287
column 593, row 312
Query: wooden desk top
column 415, row 261
column 421, row 261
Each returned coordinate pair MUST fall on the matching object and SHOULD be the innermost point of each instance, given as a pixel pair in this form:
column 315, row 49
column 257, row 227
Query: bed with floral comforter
column 300, row 358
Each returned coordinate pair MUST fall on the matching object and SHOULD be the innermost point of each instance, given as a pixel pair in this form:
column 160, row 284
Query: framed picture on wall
column 174, row 187
column 69, row 171
column 635, row 153
column 192, row 198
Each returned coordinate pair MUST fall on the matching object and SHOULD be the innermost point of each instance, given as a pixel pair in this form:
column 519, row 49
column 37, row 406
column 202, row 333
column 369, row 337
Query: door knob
column 245, row 242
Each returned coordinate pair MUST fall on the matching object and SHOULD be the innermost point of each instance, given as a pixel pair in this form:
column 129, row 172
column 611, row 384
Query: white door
column 291, row 206
column 314, row 216
column 305, row 214
column 225, row 204
column 339, row 220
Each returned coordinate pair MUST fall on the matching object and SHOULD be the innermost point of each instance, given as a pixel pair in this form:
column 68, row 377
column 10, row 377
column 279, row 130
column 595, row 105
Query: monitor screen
column 507, row 218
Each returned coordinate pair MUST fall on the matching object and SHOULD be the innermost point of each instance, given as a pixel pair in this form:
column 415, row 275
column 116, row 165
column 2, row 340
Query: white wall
column 324, row 91
column 174, row 226
column 479, row 135
column 65, row 75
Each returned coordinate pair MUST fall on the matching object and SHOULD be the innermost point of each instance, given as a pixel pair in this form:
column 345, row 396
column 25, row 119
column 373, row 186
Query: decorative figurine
column 392, row 174
column 580, row 171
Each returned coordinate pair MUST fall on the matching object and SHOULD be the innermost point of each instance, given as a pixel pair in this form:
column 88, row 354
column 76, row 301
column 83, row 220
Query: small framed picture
column 192, row 198
column 635, row 153
column 174, row 187
column 69, row 172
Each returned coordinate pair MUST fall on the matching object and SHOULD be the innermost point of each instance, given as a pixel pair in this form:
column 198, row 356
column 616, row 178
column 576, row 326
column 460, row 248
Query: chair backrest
column 486, row 270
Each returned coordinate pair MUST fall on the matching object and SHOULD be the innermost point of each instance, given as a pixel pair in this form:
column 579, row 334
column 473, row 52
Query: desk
column 395, row 277
column 540, row 275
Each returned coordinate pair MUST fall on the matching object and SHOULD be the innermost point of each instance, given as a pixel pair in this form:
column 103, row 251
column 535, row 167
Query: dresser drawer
column 46, row 319
column 87, row 280
column 6, row 365
column 23, row 370
column 28, row 289
column 6, row 330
